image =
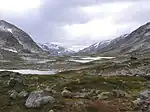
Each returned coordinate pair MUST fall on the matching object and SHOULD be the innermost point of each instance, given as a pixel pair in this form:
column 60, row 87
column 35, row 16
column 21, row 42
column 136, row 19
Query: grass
column 75, row 82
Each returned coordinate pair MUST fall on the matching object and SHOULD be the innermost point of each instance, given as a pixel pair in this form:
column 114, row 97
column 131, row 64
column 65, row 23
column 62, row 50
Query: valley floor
column 118, row 85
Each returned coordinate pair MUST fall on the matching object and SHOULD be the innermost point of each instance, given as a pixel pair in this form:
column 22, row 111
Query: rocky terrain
column 73, row 92
column 117, row 85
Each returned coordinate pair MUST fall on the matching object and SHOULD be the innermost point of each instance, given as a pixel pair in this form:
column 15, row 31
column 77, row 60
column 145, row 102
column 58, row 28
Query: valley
column 109, row 76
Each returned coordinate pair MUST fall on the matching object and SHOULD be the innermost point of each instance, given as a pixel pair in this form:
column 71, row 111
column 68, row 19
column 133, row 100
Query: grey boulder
column 37, row 99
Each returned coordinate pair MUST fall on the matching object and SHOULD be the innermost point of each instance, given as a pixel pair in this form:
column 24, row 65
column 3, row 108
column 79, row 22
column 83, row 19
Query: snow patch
column 11, row 50
column 10, row 30
column 4, row 28
column 96, row 45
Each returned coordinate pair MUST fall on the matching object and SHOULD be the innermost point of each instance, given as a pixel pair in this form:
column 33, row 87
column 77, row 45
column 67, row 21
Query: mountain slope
column 136, row 42
column 13, row 38
column 54, row 49
column 95, row 47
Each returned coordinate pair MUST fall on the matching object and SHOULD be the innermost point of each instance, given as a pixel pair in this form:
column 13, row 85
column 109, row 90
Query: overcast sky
column 75, row 22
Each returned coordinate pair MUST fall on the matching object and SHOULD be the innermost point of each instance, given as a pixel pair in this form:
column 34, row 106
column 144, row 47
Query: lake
column 32, row 72
column 87, row 59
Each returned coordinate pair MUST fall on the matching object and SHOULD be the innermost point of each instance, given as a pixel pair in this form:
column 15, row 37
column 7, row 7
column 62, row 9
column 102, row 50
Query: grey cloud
column 139, row 13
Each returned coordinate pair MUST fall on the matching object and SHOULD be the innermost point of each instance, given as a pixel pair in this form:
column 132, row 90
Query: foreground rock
column 37, row 99
column 142, row 103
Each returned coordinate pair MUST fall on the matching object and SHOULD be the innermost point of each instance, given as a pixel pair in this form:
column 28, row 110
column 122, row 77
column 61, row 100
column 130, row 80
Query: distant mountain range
column 55, row 49
column 137, row 42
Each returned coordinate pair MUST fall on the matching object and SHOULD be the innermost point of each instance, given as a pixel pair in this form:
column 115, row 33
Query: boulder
column 23, row 94
column 37, row 99
column 145, row 95
column 119, row 93
column 137, row 102
column 103, row 95
column 13, row 94
column 66, row 93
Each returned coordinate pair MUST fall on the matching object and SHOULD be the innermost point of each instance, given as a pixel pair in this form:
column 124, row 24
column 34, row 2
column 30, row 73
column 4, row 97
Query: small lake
column 85, row 59
column 32, row 72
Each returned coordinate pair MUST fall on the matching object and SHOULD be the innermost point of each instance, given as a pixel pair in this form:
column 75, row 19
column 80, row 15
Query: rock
column 143, row 102
column 84, row 90
column 50, row 90
column 92, row 92
column 23, row 94
column 66, row 93
column 133, row 58
column 51, row 111
column 137, row 72
column 81, row 95
column 98, row 92
column 13, row 94
column 137, row 102
column 37, row 99
column 145, row 95
column 119, row 93
column 103, row 95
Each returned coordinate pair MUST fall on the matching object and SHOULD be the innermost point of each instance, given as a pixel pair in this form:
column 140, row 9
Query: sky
column 75, row 23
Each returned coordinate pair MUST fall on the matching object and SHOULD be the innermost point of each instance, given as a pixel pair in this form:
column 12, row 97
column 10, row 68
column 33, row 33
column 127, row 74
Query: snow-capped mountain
column 95, row 47
column 55, row 49
column 15, row 40
column 137, row 42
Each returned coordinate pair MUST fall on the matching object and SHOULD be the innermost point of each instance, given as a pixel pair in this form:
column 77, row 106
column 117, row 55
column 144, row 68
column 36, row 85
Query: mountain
column 95, row 47
column 137, row 42
column 55, row 49
column 15, row 40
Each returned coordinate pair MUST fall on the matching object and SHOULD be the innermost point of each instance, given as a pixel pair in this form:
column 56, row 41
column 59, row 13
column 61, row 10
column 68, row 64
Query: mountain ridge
column 22, row 37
